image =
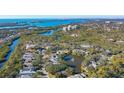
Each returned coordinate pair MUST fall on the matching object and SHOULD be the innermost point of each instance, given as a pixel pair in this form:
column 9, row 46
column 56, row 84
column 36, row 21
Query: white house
column 30, row 46
column 65, row 29
column 69, row 27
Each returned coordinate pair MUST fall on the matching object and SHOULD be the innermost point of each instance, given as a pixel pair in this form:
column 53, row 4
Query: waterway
column 37, row 23
column 12, row 48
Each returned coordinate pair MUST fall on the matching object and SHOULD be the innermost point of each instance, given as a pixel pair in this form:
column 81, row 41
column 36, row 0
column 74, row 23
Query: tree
column 70, row 71
column 55, row 68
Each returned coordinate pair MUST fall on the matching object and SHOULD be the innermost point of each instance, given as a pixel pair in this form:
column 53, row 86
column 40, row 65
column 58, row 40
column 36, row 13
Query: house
column 93, row 63
column 74, row 27
column 78, row 76
column 108, row 53
column 120, row 42
column 27, row 64
column 69, row 27
column 74, row 35
column 30, row 46
column 26, row 72
column 54, row 58
column 59, row 52
column 85, row 46
column 107, row 22
column 64, row 29
column 25, row 76
column 28, row 57
column 41, row 51
column 119, row 23
column 45, row 56
column 112, row 40
column 78, row 51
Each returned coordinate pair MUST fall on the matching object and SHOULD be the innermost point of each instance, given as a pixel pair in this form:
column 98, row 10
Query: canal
column 12, row 48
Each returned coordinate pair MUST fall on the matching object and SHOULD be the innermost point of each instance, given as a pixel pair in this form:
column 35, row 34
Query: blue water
column 11, row 27
column 68, row 58
column 47, row 33
column 40, row 22
column 15, row 20
column 12, row 47
column 51, row 23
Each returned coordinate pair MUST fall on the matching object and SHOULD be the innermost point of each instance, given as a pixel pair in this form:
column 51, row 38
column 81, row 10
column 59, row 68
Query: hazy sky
column 60, row 16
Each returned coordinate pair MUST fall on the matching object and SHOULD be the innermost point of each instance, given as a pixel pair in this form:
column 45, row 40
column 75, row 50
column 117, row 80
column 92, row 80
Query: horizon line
column 61, row 16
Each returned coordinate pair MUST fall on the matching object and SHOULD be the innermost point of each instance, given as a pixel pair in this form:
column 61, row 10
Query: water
column 47, row 33
column 74, row 61
column 38, row 22
column 35, row 22
column 12, row 48
column 51, row 23
column 68, row 58
column 12, row 27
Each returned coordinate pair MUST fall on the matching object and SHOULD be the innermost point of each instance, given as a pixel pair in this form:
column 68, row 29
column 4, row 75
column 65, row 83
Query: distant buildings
column 107, row 22
column 70, row 27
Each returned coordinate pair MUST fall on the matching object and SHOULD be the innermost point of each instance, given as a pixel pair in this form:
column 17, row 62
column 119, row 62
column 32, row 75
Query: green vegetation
column 98, row 53
column 37, row 63
column 4, row 49
column 12, row 67
column 55, row 68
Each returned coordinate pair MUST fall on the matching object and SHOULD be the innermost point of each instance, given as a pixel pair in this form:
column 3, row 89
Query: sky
column 60, row 16
column 61, row 7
